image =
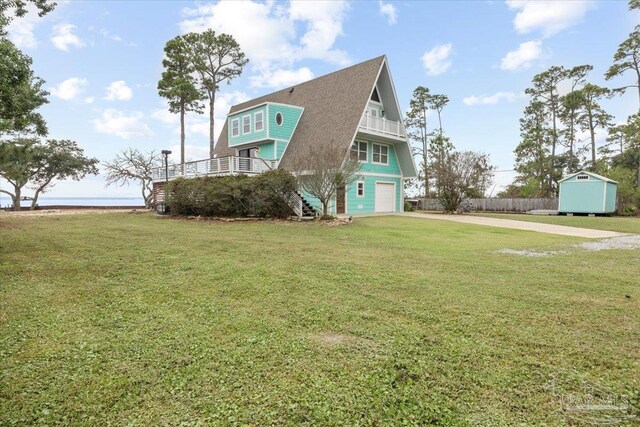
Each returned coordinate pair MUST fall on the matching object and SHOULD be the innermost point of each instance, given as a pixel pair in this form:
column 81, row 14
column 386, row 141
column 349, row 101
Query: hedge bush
column 233, row 196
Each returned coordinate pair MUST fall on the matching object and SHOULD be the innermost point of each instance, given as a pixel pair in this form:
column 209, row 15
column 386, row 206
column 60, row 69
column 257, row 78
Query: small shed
column 587, row 192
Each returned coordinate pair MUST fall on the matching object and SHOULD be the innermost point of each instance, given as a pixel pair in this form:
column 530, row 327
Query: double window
column 359, row 151
column 246, row 124
column 380, row 154
column 258, row 119
column 235, row 127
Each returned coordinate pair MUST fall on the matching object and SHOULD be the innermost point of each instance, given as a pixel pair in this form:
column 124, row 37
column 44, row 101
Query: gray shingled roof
column 333, row 105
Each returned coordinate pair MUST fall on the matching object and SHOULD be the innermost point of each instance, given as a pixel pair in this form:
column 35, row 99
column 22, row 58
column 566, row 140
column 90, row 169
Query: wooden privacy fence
column 497, row 205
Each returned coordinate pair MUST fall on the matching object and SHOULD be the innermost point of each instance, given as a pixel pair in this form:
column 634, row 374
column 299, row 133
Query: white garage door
column 385, row 197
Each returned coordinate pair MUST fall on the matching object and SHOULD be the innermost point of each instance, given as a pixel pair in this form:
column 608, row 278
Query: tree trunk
column 34, row 202
column 425, row 153
column 593, row 141
column 553, row 151
column 16, row 199
column 571, row 143
column 212, row 100
column 182, row 108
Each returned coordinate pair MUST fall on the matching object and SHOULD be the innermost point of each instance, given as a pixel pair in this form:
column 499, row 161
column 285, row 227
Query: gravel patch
column 530, row 253
column 624, row 243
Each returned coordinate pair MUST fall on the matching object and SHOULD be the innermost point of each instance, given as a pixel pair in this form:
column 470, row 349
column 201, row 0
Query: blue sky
column 102, row 61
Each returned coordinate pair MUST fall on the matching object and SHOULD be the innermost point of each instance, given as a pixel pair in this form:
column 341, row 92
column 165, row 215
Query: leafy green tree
column 532, row 153
column 216, row 59
column 569, row 106
column 18, row 8
column 38, row 164
column 545, row 89
column 132, row 165
column 592, row 115
column 630, row 157
column 21, row 93
column 178, row 84
column 627, row 58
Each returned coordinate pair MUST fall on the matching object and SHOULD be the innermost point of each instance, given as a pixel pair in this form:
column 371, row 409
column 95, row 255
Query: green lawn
column 120, row 319
column 621, row 224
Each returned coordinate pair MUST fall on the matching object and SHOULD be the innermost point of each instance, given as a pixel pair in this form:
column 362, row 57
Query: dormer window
column 279, row 119
column 258, row 119
column 235, row 127
column 246, row 124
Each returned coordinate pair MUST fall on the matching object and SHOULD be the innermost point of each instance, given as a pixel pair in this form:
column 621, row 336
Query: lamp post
column 166, row 153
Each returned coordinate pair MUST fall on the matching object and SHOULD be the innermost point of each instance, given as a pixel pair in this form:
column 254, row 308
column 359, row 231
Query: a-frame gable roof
column 584, row 172
column 333, row 106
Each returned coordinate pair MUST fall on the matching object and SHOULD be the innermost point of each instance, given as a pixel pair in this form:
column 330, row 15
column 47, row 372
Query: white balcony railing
column 382, row 126
column 229, row 165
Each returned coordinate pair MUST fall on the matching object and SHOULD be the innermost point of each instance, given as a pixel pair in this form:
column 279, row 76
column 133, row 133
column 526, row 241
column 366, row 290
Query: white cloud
column 163, row 115
column 70, row 88
column 275, row 36
column 118, row 123
column 63, row 37
column 388, row 10
column 118, row 91
column 437, row 60
column 549, row 17
column 89, row 100
column 278, row 79
column 523, row 57
column 20, row 30
column 490, row 99
column 191, row 152
column 116, row 38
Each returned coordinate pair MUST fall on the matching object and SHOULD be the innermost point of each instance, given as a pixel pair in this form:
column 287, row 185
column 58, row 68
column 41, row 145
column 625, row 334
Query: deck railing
column 382, row 125
column 228, row 165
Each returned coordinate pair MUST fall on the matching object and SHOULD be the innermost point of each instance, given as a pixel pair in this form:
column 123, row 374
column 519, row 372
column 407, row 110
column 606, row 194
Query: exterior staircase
column 300, row 206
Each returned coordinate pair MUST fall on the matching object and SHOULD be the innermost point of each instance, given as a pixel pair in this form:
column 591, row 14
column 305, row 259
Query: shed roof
column 333, row 105
column 595, row 175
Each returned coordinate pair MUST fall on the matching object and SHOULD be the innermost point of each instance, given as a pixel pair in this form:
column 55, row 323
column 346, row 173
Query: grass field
column 621, row 224
column 120, row 319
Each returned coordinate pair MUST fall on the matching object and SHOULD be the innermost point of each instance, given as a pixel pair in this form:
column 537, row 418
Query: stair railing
column 294, row 201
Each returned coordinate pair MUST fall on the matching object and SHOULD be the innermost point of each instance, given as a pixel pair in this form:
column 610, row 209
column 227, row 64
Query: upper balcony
column 382, row 126
column 219, row 166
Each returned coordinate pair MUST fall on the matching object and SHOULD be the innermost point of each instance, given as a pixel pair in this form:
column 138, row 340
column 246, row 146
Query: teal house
column 357, row 107
column 587, row 192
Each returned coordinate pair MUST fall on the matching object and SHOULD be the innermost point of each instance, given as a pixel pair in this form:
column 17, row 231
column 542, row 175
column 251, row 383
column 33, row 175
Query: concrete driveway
column 518, row 225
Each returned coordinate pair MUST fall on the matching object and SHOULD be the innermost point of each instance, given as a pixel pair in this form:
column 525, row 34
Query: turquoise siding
column 251, row 136
column 281, row 146
column 266, row 151
column 610, row 205
column 290, row 115
column 368, row 166
column 367, row 204
column 587, row 196
column 316, row 203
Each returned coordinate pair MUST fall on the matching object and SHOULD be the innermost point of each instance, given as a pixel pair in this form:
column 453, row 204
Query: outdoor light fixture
column 166, row 153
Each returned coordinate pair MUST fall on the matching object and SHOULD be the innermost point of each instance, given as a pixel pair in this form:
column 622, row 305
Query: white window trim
column 238, row 122
column 363, row 189
column 381, row 145
column 255, row 121
column 276, row 118
column 244, row 117
column 356, row 142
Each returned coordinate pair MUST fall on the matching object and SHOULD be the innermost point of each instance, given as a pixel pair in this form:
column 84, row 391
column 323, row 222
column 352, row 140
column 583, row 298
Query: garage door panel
column 385, row 197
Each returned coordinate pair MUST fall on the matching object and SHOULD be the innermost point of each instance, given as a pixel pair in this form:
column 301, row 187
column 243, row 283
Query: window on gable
column 374, row 95
column 360, row 189
column 582, row 177
column 235, row 127
column 246, row 124
column 359, row 151
column 380, row 154
column 258, row 121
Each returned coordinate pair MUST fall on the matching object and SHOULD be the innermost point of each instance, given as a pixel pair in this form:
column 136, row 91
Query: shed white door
column 385, row 197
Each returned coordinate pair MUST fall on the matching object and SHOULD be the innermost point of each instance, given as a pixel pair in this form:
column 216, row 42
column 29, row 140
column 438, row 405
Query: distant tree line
column 559, row 125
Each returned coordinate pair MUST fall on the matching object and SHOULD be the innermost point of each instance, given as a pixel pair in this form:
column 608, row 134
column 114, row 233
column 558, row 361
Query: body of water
column 5, row 201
